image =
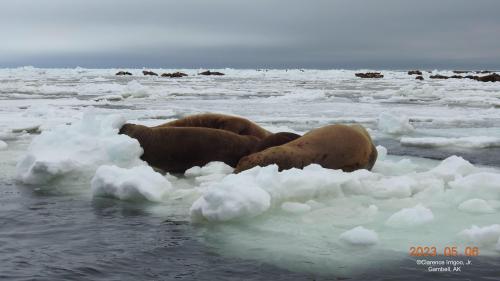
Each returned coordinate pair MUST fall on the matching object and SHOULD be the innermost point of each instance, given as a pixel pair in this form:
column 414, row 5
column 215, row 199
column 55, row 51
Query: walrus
column 335, row 147
column 176, row 149
column 237, row 125
column 199, row 139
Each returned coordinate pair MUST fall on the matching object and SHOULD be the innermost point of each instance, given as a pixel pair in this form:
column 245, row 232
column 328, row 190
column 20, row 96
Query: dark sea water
column 54, row 237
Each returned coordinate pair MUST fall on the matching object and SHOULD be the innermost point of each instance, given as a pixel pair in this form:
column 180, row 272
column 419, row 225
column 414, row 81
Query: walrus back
column 335, row 147
column 237, row 125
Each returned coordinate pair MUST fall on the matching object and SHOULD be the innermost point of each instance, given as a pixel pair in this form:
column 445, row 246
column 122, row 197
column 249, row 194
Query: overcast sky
column 251, row 34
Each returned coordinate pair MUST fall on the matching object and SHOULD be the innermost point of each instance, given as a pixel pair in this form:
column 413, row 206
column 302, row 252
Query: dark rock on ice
column 151, row 73
column 123, row 73
column 174, row 75
column 208, row 72
column 369, row 75
column 414, row 72
column 438, row 76
column 489, row 78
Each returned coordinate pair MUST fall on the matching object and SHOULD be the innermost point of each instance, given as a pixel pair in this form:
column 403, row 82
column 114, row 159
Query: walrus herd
column 199, row 139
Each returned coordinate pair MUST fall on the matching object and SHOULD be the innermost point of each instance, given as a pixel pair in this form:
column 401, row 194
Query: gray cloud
column 232, row 33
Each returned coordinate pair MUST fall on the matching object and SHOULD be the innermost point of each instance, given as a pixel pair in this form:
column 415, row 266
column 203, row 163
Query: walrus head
column 127, row 129
column 134, row 131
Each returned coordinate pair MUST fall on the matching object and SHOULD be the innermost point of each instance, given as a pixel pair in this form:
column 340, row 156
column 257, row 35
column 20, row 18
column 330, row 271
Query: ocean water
column 58, row 127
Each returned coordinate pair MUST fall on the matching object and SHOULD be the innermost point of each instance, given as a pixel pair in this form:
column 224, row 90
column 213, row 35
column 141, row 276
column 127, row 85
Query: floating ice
column 135, row 89
column 487, row 235
column 408, row 217
column 360, row 236
column 252, row 192
column 211, row 172
column 452, row 168
column 468, row 142
column 454, row 176
column 476, row 206
column 295, row 207
column 82, row 146
column 393, row 124
column 3, row 145
column 137, row 183
column 381, row 152
column 483, row 185
column 214, row 167
column 233, row 197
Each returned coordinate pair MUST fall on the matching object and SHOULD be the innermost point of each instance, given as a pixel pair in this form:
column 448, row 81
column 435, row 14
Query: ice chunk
column 476, row 206
column 215, row 167
column 295, row 207
column 360, row 236
column 84, row 145
column 211, row 172
column 382, row 152
column 482, row 185
column 393, row 187
column 408, row 217
column 252, row 192
column 234, row 197
column 135, row 89
column 392, row 168
column 392, row 124
column 487, row 235
column 453, row 167
column 468, row 142
column 3, row 145
column 137, row 183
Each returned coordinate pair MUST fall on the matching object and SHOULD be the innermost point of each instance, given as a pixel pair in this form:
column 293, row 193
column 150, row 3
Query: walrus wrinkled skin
column 199, row 139
column 335, row 147
column 237, row 125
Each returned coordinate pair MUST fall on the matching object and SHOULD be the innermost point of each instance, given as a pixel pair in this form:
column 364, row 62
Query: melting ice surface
column 314, row 219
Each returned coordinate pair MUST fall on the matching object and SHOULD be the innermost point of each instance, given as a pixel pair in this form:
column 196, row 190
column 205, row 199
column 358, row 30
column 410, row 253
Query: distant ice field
column 436, row 182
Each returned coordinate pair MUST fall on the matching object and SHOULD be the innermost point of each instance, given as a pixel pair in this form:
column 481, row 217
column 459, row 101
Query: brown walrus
column 199, row 139
column 335, row 146
column 237, row 125
column 176, row 149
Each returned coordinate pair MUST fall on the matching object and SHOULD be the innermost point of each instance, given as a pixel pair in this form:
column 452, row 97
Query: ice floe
column 137, row 183
column 394, row 124
column 467, row 142
column 360, row 236
column 408, row 217
column 78, row 147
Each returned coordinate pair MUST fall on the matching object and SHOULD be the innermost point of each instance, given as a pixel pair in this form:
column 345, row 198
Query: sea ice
column 483, row 185
column 360, row 236
column 487, row 235
column 476, row 206
column 408, row 217
column 295, row 207
column 394, row 124
column 214, row 167
column 3, row 145
column 468, row 142
column 137, row 183
column 135, row 89
column 84, row 145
